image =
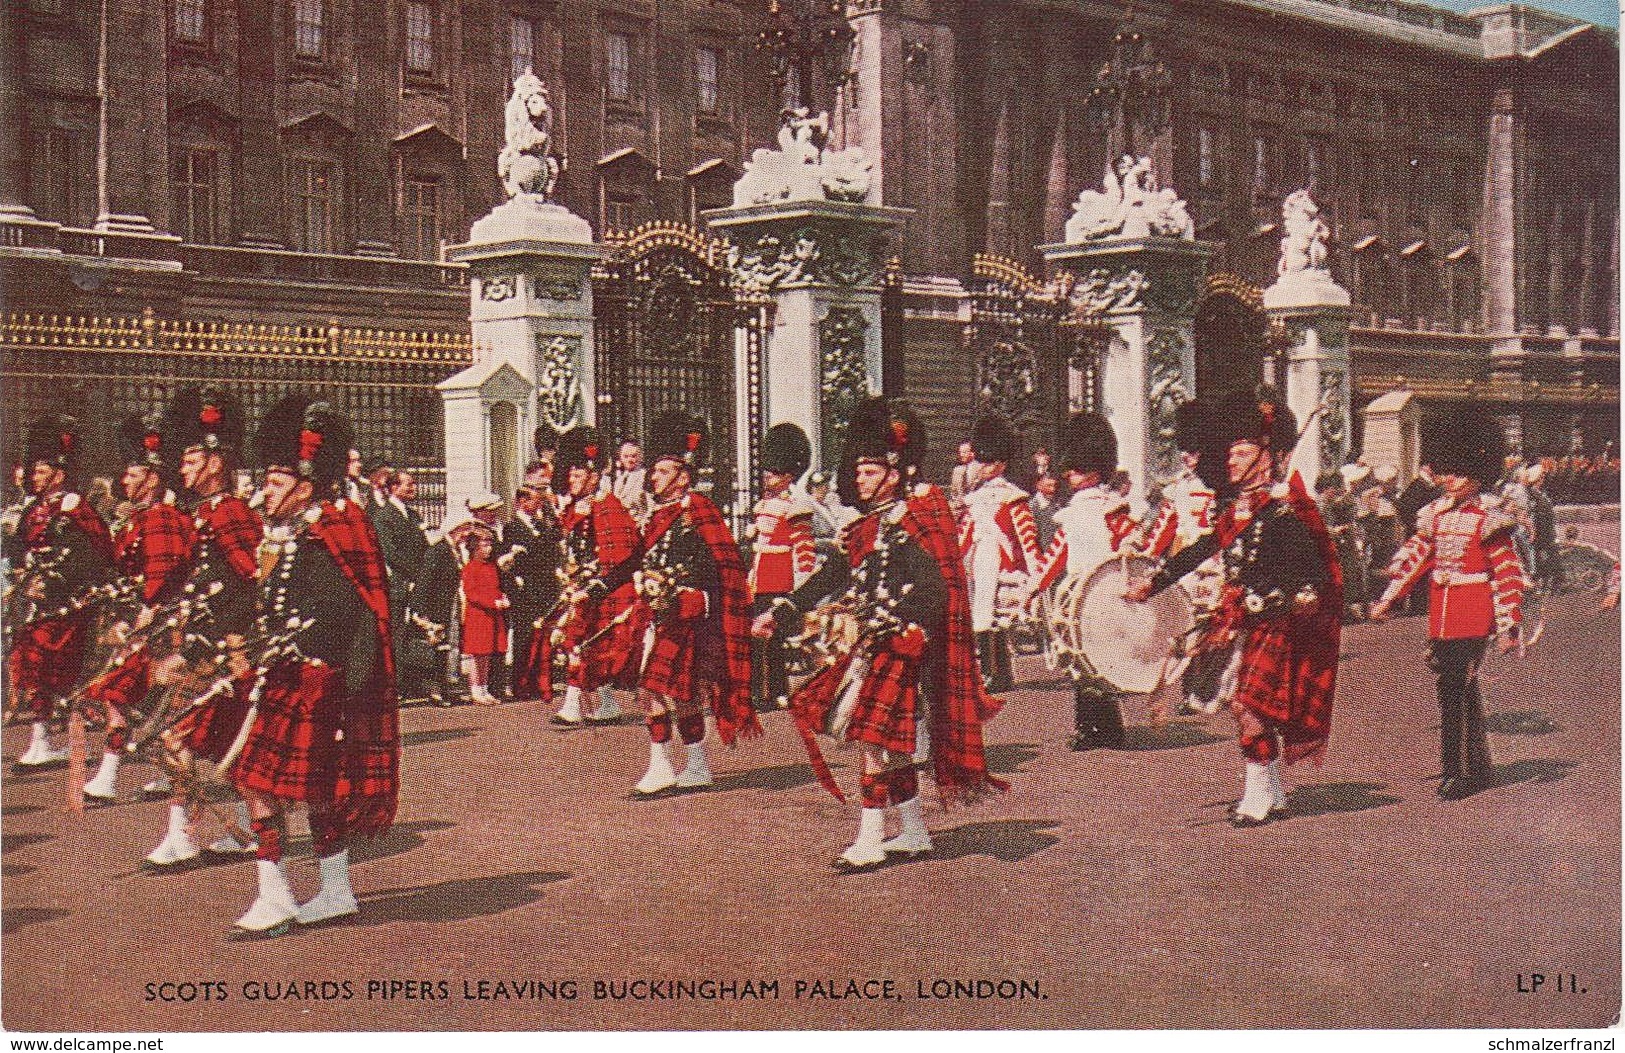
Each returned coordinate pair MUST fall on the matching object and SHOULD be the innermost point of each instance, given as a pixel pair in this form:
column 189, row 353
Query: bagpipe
column 865, row 614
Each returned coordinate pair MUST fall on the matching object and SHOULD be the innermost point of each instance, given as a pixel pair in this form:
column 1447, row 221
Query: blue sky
column 1602, row 12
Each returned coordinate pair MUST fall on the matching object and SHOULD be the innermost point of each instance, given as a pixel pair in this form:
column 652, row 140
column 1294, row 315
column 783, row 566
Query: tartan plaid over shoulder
column 236, row 529
column 960, row 705
column 736, row 716
column 157, row 543
column 366, row 784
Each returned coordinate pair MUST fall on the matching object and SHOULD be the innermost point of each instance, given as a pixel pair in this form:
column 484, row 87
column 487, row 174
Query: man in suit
column 530, row 568
column 403, row 542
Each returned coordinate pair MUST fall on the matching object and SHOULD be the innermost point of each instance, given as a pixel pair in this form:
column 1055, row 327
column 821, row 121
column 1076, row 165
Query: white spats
column 660, row 775
column 1277, row 791
column 868, row 850
column 39, row 752
column 158, row 787
column 696, row 770
column 176, row 849
column 1254, row 806
column 570, row 712
column 273, row 910
column 232, row 844
column 336, row 898
column 104, row 787
column 914, row 839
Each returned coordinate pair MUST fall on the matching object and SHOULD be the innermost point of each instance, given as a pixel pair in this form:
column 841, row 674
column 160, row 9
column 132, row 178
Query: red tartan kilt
column 47, row 659
column 1287, row 677
column 613, row 659
column 670, row 670
column 209, row 730
column 291, row 752
column 888, row 702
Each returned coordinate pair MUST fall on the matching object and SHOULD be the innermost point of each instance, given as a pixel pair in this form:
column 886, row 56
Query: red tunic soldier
column 910, row 686
column 325, row 725
column 61, row 549
column 784, row 552
column 593, row 627
column 207, row 429
column 693, row 601
column 1464, row 545
column 152, row 543
column 1000, row 541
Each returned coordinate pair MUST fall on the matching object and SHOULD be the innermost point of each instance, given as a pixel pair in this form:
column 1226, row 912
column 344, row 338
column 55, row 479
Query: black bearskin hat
column 1263, row 418
column 546, row 441
column 579, row 447
column 880, row 432
column 786, row 450
column 677, row 436
column 1088, row 444
column 146, row 441
column 1469, row 442
column 54, row 440
column 209, row 420
column 1202, row 434
column 993, row 440
column 307, row 436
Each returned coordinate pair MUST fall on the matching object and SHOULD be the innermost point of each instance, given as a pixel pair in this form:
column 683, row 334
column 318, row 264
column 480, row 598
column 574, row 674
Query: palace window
column 618, row 67
column 1312, row 160
column 521, row 47
column 191, row 20
column 420, row 218
column 308, row 28
column 64, row 184
column 792, row 89
column 1207, row 170
column 707, row 68
column 195, row 182
column 420, row 38
column 314, row 188
column 1261, row 163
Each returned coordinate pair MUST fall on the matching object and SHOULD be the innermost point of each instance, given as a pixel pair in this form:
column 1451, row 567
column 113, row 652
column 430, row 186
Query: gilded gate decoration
column 1015, row 339
column 667, row 326
column 103, row 369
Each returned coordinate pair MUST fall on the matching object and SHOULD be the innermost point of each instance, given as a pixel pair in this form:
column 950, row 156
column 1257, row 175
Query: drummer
column 1282, row 598
column 1089, row 531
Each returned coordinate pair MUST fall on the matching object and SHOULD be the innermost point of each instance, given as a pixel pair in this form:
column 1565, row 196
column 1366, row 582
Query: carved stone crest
column 1334, row 421
column 1165, row 390
column 558, row 389
column 844, row 371
column 787, row 256
column 498, row 287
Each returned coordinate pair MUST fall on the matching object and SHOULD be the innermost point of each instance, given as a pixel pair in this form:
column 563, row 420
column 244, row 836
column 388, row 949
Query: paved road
column 1105, row 888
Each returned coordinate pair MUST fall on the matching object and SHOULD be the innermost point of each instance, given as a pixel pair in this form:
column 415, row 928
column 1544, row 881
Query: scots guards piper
column 784, row 550
column 599, row 537
column 909, row 684
column 1000, row 540
column 1089, row 531
column 1282, row 603
column 207, row 428
column 1464, row 545
column 60, row 552
column 152, row 543
column 324, row 728
column 694, row 603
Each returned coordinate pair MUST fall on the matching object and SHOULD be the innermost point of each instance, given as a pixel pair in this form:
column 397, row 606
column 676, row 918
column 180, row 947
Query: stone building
column 271, row 182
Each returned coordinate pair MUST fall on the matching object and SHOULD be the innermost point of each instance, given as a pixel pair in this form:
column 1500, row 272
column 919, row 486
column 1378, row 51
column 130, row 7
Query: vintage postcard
column 553, row 516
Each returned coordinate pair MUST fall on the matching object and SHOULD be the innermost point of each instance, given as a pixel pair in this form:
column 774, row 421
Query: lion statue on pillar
column 526, row 164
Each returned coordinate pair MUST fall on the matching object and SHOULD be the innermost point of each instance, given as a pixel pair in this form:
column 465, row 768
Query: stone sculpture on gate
column 526, row 164
column 803, row 168
column 1129, row 204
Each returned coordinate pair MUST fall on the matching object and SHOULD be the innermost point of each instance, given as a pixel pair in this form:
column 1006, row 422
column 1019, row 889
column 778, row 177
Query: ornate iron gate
column 1017, row 342
column 672, row 332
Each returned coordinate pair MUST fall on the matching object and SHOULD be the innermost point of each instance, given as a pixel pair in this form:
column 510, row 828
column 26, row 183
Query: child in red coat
column 485, row 626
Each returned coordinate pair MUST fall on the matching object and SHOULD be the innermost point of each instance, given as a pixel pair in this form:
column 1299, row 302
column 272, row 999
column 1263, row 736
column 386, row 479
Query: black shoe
column 1247, row 822
column 1457, row 787
column 1082, row 740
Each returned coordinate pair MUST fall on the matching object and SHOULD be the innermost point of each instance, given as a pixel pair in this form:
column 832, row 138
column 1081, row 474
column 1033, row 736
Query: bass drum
column 1137, row 647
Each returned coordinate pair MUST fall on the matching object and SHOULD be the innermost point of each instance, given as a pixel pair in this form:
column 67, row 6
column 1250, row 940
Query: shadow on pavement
column 1008, row 757
column 20, row 809
column 1177, row 735
column 1328, row 798
column 1519, row 722
column 14, row 918
column 16, row 869
column 434, row 735
column 1540, row 770
column 457, row 900
column 777, row 777
column 1007, row 840
column 402, row 837
column 11, row 842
